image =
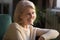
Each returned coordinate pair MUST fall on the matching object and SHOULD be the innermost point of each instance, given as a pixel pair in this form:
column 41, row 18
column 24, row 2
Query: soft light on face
column 28, row 16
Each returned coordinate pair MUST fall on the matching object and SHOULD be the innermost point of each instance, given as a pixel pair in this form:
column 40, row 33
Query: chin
column 31, row 23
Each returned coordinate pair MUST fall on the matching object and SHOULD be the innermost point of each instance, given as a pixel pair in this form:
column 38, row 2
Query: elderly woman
column 22, row 28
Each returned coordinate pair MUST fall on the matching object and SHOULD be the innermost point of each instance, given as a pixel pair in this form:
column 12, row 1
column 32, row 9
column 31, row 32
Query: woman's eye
column 32, row 12
column 28, row 13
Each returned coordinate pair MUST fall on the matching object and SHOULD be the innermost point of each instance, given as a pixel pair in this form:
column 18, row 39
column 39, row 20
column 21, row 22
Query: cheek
column 26, row 18
column 23, row 18
column 34, row 17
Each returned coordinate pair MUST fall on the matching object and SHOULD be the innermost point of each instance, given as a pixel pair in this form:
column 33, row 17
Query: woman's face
column 28, row 16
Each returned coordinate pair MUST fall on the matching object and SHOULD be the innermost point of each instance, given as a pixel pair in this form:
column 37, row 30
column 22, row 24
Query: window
column 58, row 4
column 6, row 8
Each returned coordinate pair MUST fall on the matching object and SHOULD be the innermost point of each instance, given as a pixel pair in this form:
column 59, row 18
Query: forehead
column 27, row 9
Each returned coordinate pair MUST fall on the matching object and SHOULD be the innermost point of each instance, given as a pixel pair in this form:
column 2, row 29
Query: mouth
column 30, row 20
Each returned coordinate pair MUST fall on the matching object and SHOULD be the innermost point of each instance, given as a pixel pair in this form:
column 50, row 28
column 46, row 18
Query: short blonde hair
column 20, row 7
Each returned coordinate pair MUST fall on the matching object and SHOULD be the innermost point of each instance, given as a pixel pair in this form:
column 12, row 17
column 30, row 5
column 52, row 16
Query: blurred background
column 48, row 12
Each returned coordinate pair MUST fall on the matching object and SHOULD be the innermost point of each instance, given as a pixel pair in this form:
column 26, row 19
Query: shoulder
column 11, row 29
column 12, row 25
column 11, row 32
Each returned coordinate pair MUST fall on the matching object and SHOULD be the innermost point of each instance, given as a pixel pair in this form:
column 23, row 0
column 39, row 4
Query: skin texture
column 28, row 16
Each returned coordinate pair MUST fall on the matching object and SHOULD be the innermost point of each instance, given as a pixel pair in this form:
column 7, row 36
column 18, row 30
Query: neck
column 24, row 26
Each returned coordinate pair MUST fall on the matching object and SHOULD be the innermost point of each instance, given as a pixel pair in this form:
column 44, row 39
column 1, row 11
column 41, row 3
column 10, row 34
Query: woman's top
column 17, row 32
